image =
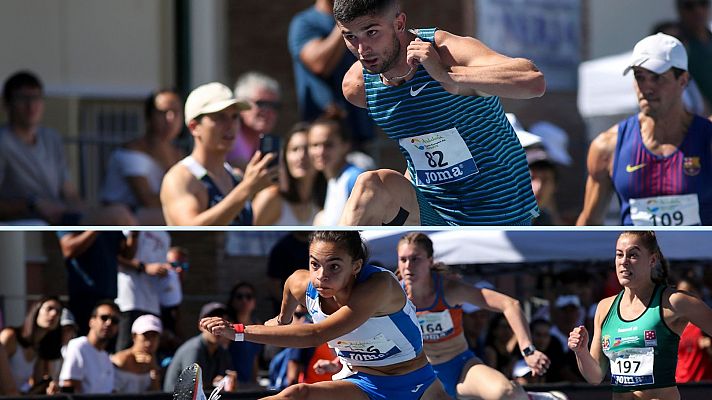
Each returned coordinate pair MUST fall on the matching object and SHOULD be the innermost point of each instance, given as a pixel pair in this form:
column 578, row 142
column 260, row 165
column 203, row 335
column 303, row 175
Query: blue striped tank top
column 664, row 190
column 462, row 153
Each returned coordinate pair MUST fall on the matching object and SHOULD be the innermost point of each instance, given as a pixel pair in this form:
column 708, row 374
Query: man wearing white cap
column 202, row 188
column 659, row 161
column 137, row 370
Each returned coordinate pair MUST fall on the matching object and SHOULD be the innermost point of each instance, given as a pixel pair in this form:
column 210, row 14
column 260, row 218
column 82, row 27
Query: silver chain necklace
column 395, row 79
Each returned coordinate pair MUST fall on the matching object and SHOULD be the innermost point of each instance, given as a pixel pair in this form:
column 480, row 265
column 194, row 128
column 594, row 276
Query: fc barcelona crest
column 691, row 166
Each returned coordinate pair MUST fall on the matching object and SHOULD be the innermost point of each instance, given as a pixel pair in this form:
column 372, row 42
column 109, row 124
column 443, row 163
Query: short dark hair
column 149, row 104
column 350, row 241
column 19, row 80
column 349, row 10
column 105, row 302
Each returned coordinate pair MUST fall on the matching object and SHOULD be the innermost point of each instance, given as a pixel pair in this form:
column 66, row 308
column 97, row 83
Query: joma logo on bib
column 444, row 175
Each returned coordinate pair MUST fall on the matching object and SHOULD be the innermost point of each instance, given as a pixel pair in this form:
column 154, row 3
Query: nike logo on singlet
column 632, row 168
column 417, row 388
column 417, row 91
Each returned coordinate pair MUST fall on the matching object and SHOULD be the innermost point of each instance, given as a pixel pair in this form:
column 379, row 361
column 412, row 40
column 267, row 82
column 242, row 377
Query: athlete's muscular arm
column 599, row 185
column 593, row 364
column 465, row 66
column 353, row 86
column 380, row 294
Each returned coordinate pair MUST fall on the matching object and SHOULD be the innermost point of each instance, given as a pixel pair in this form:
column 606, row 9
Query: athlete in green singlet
column 636, row 333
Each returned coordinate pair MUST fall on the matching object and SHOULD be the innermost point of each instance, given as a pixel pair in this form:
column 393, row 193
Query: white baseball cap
column 658, row 53
column 526, row 139
column 210, row 98
column 555, row 141
column 147, row 323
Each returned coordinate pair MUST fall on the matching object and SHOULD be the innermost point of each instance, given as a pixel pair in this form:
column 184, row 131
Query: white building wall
column 616, row 25
column 90, row 47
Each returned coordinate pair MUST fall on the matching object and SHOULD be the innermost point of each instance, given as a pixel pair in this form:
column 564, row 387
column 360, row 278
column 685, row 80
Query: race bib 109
column 666, row 210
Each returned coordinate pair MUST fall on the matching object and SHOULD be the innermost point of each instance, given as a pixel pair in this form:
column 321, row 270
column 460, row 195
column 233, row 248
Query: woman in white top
column 135, row 170
column 30, row 347
column 136, row 369
column 301, row 190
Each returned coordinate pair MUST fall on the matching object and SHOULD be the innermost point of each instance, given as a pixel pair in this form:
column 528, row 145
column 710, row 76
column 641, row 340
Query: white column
column 208, row 42
column 13, row 276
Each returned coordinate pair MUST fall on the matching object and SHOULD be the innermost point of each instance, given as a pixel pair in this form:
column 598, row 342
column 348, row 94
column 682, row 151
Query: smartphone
column 270, row 144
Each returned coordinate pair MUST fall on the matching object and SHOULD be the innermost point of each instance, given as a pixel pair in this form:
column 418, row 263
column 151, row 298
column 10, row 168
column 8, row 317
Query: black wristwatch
column 529, row 350
column 141, row 267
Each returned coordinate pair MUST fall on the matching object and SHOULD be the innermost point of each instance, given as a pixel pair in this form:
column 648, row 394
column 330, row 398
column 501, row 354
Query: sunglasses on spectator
column 274, row 105
column 184, row 265
column 106, row 317
column 243, row 296
column 691, row 5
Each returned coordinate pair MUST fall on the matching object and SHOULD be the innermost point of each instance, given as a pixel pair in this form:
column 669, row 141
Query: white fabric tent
column 461, row 247
column 603, row 89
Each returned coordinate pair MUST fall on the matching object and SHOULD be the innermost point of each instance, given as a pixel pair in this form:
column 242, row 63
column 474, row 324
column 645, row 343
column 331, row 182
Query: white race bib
column 435, row 325
column 633, row 367
column 666, row 210
column 440, row 157
column 377, row 348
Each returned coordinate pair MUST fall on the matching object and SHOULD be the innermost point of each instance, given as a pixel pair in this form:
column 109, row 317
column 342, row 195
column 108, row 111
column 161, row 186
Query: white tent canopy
column 458, row 247
column 603, row 89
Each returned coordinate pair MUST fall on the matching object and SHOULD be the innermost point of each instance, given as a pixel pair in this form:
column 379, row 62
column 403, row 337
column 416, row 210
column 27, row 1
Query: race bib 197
column 440, row 157
column 633, row 367
column 666, row 210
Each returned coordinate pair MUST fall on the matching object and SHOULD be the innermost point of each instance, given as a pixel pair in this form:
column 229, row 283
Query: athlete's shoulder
column 604, row 307
column 353, row 85
column 603, row 146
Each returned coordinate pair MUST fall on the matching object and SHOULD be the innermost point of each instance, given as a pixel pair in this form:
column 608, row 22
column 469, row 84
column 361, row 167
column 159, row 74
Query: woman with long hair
column 32, row 346
column 637, row 332
column 364, row 314
column 135, row 170
column 299, row 195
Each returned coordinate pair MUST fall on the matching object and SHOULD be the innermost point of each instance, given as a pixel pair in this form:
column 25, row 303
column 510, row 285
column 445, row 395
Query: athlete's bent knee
column 297, row 391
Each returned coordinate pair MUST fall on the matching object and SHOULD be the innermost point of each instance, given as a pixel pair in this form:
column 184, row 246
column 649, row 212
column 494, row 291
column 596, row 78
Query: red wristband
column 239, row 332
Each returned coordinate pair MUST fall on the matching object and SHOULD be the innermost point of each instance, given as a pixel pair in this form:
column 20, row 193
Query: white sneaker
column 553, row 395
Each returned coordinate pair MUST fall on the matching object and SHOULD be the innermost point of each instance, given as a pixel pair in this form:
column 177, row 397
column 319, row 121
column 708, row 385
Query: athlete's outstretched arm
column 458, row 292
column 599, row 186
column 465, row 66
column 366, row 300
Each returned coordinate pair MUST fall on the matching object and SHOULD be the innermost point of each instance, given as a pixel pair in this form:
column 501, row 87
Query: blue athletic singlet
column 380, row 341
column 462, row 153
column 664, row 190
column 440, row 321
column 214, row 194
